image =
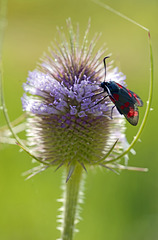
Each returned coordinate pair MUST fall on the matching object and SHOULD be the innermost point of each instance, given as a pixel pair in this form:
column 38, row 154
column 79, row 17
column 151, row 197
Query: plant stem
column 71, row 200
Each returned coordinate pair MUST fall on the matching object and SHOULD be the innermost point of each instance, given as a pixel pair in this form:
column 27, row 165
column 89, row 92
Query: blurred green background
column 116, row 207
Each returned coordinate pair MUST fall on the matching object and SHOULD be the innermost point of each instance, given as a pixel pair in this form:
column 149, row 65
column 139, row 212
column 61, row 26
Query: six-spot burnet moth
column 126, row 101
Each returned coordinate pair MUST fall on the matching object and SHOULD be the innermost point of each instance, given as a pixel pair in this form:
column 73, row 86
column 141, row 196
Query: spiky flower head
column 66, row 126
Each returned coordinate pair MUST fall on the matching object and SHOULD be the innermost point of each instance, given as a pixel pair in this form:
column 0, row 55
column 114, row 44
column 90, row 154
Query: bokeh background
column 116, row 207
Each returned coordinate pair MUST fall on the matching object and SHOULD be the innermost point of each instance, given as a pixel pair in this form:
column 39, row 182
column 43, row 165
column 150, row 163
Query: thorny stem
column 72, row 190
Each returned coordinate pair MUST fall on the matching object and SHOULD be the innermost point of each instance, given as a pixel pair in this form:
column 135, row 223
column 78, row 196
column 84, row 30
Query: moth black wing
column 129, row 110
column 127, row 103
column 139, row 101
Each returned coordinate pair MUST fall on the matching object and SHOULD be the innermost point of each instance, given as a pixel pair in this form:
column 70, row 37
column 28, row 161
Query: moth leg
column 97, row 94
column 100, row 101
column 97, row 102
column 112, row 111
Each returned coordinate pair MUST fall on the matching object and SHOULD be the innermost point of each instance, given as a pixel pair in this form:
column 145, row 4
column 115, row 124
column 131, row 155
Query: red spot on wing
column 132, row 113
column 113, row 100
column 125, row 105
column 119, row 85
column 116, row 96
column 135, row 95
column 129, row 93
column 138, row 101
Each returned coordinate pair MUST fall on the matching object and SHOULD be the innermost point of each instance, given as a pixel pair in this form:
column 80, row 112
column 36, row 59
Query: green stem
column 71, row 200
column 151, row 80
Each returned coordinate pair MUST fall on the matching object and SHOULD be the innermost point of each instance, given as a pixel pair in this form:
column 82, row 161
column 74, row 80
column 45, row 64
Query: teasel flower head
column 67, row 124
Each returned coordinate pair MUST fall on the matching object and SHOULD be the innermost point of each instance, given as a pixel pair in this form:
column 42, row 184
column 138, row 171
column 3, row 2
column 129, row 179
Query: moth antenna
column 105, row 66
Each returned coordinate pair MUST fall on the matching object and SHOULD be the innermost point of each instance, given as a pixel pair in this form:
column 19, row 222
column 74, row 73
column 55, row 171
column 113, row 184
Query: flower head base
column 65, row 123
